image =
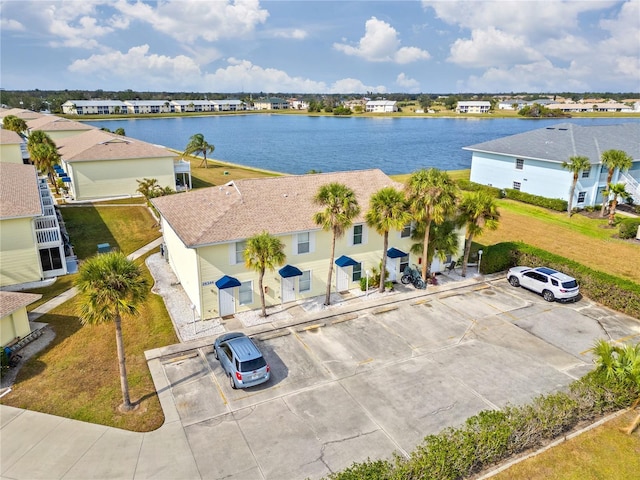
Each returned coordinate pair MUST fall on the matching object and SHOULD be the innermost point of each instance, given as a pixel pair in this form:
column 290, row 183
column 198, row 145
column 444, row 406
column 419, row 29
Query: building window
column 404, row 263
column 581, row 196
column 357, row 234
column 303, row 242
column 240, row 248
column 357, row 272
column 516, row 185
column 519, row 164
column 585, row 173
column 50, row 259
column 245, row 293
column 406, row 231
column 304, row 284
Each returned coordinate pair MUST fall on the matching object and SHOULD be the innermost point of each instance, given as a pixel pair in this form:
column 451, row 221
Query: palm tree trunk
column 612, row 210
column 467, row 252
column 327, row 300
column 425, row 249
column 260, row 279
column 571, row 193
column 206, row 164
column 604, row 200
column 383, row 265
column 124, row 384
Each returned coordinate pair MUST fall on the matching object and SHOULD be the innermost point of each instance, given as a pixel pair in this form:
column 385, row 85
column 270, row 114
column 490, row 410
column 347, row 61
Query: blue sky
column 321, row 46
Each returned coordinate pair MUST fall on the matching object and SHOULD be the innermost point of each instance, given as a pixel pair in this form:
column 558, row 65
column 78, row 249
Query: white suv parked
column 550, row 283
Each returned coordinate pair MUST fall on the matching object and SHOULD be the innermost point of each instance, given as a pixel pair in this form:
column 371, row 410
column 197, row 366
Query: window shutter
column 232, row 253
column 312, row 242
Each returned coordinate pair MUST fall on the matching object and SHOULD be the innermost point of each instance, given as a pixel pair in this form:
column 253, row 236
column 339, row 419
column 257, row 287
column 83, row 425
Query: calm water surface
column 297, row 143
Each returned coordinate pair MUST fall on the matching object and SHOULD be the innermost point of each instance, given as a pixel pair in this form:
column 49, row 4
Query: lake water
column 298, row 143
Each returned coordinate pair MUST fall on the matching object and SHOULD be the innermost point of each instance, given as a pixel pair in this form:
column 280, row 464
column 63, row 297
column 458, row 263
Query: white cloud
column 11, row 25
column 352, row 85
column 189, row 20
column 491, row 47
column 408, row 84
column 294, row 33
column 380, row 43
column 139, row 68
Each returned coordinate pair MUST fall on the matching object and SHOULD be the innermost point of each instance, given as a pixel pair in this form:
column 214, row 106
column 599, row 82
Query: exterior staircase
column 632, row 186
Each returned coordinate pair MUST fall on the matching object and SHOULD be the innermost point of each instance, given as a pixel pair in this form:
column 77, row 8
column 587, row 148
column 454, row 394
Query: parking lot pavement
column 378, row 380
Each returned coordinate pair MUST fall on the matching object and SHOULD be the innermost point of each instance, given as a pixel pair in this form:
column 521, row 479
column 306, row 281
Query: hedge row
column 551, row 203
column 495, row 435
column 629, row 227
column 469, row 186
column 614, row 292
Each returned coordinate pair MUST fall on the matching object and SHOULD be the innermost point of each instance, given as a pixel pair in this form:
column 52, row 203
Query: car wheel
column 548, row 296
column 420, row 284
column 514, row 281
column 231, row 382
column 406, row 279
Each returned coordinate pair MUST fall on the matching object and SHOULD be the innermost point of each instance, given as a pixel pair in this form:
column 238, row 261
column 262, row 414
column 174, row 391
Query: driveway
column 372, row 381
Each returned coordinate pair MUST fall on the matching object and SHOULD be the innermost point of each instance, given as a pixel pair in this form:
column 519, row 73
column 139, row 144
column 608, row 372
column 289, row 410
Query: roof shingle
column 19, row 192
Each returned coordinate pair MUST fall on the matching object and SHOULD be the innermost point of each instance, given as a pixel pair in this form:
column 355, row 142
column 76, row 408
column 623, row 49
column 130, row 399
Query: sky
column 364, row 47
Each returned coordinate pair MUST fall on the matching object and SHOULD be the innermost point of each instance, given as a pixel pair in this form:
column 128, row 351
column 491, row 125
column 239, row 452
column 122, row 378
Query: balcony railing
column 48, row 237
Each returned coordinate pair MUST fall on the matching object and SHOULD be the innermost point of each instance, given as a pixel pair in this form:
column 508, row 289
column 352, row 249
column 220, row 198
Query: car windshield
column 251, row 365
column 570, row 284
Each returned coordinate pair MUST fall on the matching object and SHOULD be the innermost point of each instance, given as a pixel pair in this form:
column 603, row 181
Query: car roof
column 244, row 348
column 554, row 273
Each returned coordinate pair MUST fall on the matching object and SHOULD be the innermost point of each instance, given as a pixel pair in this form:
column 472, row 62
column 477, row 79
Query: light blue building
column 532, row 161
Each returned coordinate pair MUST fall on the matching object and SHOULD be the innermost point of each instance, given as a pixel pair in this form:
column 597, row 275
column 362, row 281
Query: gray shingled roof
column 51, row 123
column 9, row 137
column 12, row 301
column 559, row 142
column 243, row 208
column 97, row 144
column 19, row 192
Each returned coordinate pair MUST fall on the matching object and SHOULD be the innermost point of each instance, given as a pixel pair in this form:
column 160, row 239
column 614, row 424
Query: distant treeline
column 51, row 100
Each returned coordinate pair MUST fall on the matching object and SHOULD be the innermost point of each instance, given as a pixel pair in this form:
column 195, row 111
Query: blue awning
column 345, row 261
column 227, row 282
column 289, row 271
column 65, row 179
column 395, row 253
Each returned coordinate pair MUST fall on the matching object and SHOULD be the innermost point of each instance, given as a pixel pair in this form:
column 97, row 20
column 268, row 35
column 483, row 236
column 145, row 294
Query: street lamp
column 479, row 259
column 193, row 309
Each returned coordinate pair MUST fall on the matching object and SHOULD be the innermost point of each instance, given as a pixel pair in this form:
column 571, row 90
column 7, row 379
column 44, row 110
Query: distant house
column 271, row 103
column 32, row 247
column 532, row 161
column 149, row 106
column 58, row 127
column 473, row 107
column 93, row 107
column 381, row 106
column 229, row 105
column 99, row 164
column 297, row 104
column 591, row 107
column 14, row 321
column 205, row 233
column 192, row 105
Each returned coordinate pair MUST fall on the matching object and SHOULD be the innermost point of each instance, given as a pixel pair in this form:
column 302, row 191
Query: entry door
column 288, row 287
column 227, row 302
column 392, row 268
column 342, row 279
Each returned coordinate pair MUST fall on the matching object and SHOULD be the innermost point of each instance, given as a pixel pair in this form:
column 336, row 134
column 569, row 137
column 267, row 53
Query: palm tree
column 263, row 252
column 477, row 211
column 110, row 286
column 613, row 159
column 45, row 156
column 36, row 137
column 617, row 190
column 15, row 124
column 340, row 208
column 443, row 240
column 387, row 210
column 197, row 144
column 575, row 165
column 620, row 363
column 432, row 197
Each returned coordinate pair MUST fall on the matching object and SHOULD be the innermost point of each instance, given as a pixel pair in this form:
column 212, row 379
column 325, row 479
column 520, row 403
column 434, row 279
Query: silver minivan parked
column 241, row 360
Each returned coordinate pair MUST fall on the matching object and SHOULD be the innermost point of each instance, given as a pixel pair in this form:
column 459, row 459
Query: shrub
column 470, row 186
column 552, row 203
column 629, row 227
